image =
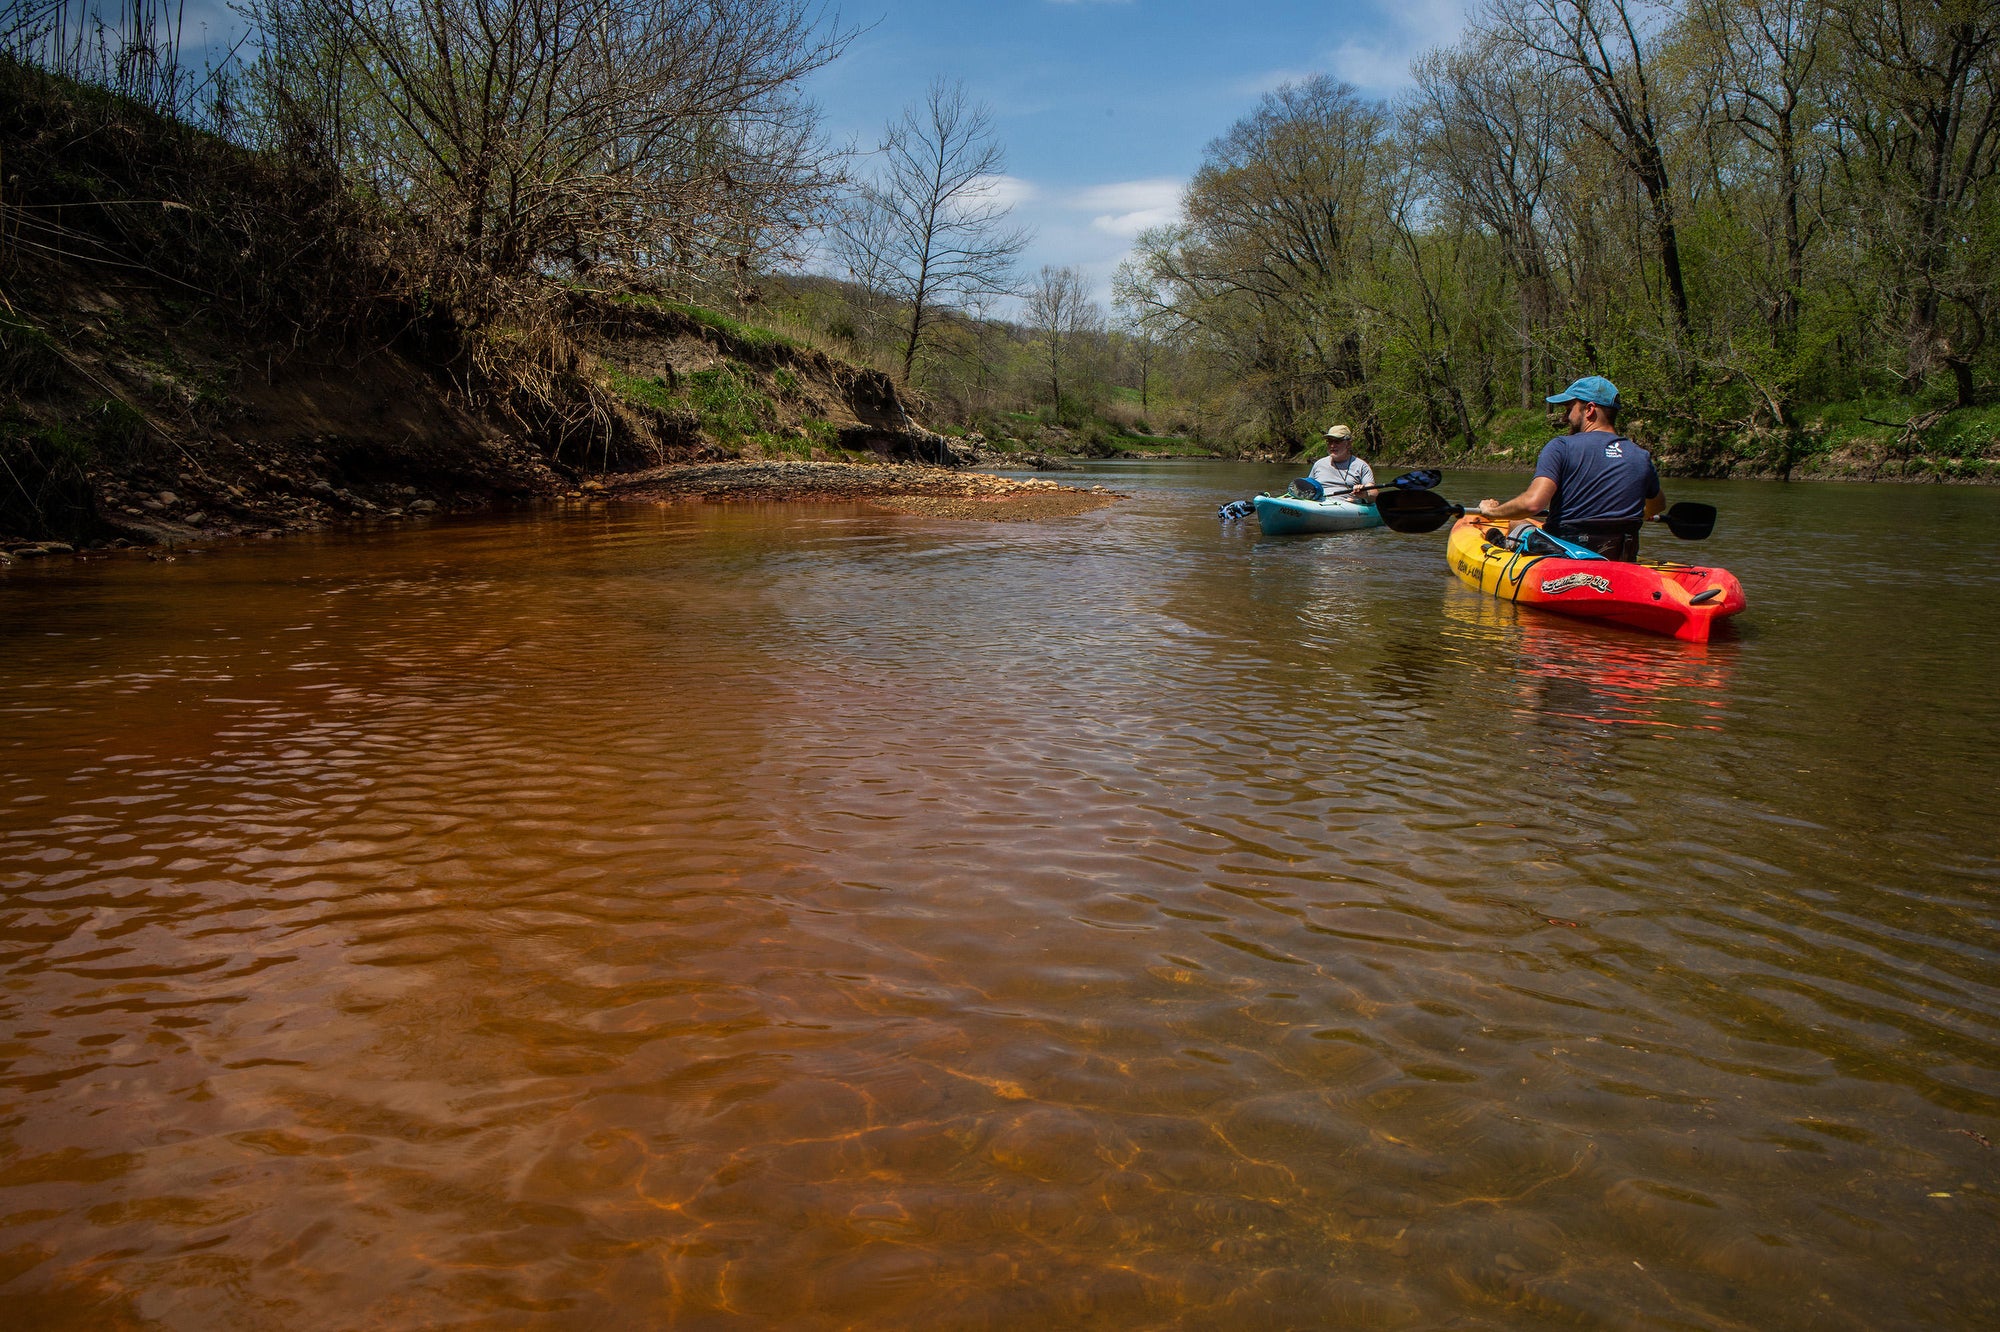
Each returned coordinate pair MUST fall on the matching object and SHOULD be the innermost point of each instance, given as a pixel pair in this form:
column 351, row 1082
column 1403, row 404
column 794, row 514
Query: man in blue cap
column 1597, row 485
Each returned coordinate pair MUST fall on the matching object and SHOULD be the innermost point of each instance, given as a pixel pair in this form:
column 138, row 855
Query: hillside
column 149, row 416
column 195, row 341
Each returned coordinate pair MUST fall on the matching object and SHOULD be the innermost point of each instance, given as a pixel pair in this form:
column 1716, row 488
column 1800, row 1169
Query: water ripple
column 732, row 916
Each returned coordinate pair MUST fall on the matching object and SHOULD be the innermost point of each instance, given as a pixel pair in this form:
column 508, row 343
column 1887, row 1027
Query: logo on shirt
column 1615, row 449
column 1568, row 582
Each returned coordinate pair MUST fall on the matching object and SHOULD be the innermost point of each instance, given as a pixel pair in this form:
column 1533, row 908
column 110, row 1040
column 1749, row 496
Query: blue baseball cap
column 1591, row 388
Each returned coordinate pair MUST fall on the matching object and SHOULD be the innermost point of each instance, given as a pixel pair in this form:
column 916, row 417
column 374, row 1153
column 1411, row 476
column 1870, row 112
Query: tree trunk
column 1465, row 431
column 1961, row 378
column 1659, row 193
column 1527, row 354
column 1795, row 250
column 910, row 342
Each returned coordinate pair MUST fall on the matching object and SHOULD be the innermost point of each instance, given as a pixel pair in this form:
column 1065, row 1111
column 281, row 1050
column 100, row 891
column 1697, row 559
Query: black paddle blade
column 1415, row 510
column 1424, row 478
column 1690, row 521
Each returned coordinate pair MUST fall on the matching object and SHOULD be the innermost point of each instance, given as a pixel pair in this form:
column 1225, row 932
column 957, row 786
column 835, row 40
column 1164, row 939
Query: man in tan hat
column 1340, row 474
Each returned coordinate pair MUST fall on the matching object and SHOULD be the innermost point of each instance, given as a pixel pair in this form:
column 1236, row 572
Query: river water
column 731, row 917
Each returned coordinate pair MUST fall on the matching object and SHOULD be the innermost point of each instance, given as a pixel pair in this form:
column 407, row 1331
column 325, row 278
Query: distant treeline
column 1742, row 211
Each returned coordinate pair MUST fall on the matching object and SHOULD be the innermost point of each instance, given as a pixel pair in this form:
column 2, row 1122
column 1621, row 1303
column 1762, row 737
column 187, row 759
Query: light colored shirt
column 1339, row 478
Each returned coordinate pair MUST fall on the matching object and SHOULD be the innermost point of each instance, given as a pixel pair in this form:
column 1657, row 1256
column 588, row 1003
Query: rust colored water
column 724, row 917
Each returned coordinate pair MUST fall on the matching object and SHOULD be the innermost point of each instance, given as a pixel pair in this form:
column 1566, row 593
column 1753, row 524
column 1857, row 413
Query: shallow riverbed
column 724, row 916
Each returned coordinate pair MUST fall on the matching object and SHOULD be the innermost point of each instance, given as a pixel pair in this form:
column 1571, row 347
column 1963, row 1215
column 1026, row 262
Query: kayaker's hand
column 1487, row 506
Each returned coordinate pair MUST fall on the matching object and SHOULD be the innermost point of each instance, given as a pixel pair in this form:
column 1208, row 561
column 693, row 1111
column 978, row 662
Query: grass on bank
column 1965, row 435
column 749, row 335
column 29, row 360
column 721, row 401
column 725, row 405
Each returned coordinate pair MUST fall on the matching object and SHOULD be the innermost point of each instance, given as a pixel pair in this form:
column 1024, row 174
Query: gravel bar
column 900, row 487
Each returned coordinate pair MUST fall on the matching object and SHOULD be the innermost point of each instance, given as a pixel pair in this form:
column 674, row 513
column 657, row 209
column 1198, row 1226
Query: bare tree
column 516, row 139
column 931, row 229
column 1060, row 311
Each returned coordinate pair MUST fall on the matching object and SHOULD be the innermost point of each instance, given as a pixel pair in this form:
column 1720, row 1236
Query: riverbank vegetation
column 437, row 250
column 1774, row 223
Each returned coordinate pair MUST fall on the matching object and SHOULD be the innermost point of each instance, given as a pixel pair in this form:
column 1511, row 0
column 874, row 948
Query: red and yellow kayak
column 1680, row 600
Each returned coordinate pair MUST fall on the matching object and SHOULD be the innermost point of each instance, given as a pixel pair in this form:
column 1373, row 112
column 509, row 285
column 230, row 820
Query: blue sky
column 1105, row 106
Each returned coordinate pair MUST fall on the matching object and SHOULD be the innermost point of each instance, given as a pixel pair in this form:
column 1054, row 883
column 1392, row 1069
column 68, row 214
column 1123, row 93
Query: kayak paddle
column 1415, row 510
column 1424, row 511
column 1689, row 521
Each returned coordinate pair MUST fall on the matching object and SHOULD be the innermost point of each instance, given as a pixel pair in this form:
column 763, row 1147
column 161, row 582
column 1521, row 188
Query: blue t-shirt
column 1600, row 478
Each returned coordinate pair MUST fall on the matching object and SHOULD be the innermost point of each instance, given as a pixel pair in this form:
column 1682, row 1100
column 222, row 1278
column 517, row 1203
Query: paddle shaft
column 1425, row 511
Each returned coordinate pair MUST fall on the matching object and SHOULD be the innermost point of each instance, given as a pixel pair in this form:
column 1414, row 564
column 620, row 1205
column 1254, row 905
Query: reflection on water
column 727, row 916
column 1595, row 672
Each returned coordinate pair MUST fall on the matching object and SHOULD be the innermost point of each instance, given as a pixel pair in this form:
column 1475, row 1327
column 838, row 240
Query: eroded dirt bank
column 155, row 424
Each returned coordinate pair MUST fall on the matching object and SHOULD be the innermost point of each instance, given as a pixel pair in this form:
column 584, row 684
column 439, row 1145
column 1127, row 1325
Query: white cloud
column 1121, row 208
column 1131, row 224
column 1410, row 28
column 1127, row 207
column 1380, row 62
column 1005, row 190
column 1129, row 195
column 1374, row 66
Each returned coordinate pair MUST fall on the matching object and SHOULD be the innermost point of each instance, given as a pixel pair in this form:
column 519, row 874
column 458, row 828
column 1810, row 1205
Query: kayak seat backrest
column 1535, row 541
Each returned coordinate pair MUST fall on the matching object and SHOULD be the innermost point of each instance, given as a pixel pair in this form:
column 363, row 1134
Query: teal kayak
column 1280, row 515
